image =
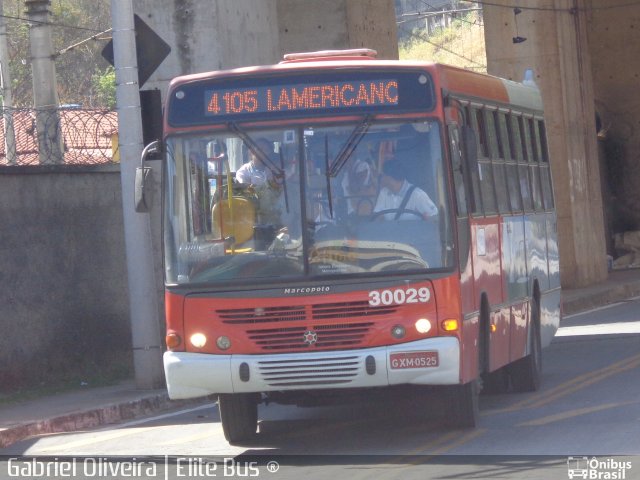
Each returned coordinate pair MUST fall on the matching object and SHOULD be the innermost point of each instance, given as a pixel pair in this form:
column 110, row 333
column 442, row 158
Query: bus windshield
column 306, row 201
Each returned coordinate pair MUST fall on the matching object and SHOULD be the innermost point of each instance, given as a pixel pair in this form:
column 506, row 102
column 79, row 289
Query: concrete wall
column 309, row 25
column 210, row 35
column 223, row 34
column 64, row 300
column 556, row 48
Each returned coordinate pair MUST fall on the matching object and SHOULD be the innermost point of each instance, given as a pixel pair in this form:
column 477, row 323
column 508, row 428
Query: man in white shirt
column 398, row 197
column 254, row 172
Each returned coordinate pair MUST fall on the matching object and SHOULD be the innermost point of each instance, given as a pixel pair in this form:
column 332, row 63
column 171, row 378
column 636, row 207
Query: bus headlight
column 223, row 343
column 198, row 340
column 423, row 325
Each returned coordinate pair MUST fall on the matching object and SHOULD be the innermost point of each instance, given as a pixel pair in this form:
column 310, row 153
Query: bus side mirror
column 143, row 187
column 469, row 148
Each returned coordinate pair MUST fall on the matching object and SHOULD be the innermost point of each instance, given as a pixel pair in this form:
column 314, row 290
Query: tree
column 72, row 22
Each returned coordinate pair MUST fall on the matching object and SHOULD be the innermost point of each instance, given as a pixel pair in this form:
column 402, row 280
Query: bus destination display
column 300, row 97
column 257, row 98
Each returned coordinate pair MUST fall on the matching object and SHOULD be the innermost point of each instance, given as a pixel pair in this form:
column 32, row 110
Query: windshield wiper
column 350, row 145
column 284, row 181
column 332, row 169
column 256, row 150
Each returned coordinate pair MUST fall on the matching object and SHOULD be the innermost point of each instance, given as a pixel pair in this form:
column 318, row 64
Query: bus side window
column 545, row 172
column 475, row 174
column 458, row 177
column 486, row 167
column 496, row 138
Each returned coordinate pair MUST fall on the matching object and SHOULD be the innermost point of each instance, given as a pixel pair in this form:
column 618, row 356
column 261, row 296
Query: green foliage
column 73, row 21
column 104, row 86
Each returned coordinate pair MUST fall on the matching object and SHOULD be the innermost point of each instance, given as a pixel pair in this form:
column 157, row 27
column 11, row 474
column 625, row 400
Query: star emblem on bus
column 310, row 337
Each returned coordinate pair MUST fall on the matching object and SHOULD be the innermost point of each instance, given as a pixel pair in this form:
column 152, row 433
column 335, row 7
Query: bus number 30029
column 399, row 296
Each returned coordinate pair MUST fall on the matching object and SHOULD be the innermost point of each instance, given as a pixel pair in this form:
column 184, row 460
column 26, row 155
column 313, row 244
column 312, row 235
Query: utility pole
column 7, row 99
column 143, row 295
column 45, row 95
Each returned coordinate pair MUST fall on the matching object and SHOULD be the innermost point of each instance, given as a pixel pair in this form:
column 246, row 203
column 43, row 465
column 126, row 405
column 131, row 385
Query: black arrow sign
column 151, row 50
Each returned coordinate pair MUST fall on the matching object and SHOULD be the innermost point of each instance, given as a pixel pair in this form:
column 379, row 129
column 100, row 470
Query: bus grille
column 239, row 316
column 285, row 328
column 328, row 311
column 319, row 336
column 309, row 372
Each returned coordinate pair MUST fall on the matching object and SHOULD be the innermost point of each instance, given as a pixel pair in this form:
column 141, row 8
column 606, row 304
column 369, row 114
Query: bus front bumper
column 191, row 375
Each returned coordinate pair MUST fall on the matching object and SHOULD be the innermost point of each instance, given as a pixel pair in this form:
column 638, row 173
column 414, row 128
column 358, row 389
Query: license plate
column 404, row 360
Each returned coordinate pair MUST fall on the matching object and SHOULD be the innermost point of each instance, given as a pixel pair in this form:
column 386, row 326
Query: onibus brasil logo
column 595, row 469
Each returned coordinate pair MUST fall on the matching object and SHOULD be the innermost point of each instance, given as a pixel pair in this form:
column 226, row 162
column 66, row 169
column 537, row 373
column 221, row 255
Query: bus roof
column 459, row 82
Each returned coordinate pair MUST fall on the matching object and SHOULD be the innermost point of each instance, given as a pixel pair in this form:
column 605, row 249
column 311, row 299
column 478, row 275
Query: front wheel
column 239, row 415
column 463, row 409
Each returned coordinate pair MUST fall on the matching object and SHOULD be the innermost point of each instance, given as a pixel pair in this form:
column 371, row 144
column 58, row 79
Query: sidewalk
column 92, row 407
column 80, row 409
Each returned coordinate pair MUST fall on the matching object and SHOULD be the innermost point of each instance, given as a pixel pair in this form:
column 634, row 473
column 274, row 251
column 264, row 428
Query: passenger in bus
column 398, row 197
column 358, row 187
column 255, row 172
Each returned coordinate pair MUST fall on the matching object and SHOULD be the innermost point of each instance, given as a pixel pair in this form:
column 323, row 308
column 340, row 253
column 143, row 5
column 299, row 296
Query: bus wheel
column 495, row 382
column 525, row 373
column 463, row 405
column 239, row 415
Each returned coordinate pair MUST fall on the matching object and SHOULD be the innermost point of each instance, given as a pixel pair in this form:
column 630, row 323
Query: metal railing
column 64, row 135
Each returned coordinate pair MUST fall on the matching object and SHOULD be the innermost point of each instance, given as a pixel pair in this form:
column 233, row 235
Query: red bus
column 336, row 222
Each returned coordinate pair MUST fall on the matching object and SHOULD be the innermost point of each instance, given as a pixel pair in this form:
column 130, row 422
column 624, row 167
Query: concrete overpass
column 580, row 51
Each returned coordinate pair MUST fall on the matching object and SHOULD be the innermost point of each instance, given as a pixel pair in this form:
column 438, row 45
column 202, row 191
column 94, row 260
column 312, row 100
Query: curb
column 603, row 298
column 94, row 417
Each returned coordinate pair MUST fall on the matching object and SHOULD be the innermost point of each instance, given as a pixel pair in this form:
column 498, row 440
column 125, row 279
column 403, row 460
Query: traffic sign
column 151, row 50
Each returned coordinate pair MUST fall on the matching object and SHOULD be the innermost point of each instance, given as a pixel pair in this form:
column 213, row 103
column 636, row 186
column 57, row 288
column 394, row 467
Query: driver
column 398, row 197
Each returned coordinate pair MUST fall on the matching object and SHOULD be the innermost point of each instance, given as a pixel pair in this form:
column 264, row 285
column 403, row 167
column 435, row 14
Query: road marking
column 133, row 423
column 437, row 442
column 571, row 414
column 459, row 442
column 571, row 386
column 615, row 328
column 444, row 445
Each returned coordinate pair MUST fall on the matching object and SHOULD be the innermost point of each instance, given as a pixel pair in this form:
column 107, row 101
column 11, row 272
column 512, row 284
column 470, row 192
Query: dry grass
column 462, row 45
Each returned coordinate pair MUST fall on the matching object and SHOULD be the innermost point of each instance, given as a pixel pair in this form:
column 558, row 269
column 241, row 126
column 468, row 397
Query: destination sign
column 299, row 95
column 279, row 98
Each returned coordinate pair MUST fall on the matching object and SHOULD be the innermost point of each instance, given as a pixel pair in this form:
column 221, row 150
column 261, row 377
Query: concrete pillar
column 143, row 300
column 556, row 48
column 7, row 98
column 309, row 25
column 45, row 95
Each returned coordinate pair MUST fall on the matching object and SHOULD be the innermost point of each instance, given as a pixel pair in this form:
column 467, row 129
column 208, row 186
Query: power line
column 53, row 24
column 634, row 3
column 82, row 42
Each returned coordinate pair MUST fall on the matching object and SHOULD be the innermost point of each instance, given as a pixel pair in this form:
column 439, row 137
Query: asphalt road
column 588, row 408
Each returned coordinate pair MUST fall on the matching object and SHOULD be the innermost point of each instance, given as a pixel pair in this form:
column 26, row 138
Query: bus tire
column 239, row 416
column 463, row 409
column 495, row 382
column 525, row 373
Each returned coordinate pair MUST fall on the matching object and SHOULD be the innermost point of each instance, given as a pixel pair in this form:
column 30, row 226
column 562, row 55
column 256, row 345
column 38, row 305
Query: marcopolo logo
column 596, row 469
